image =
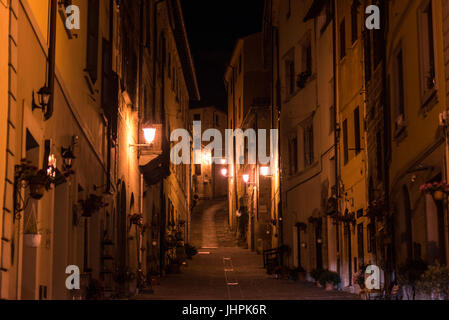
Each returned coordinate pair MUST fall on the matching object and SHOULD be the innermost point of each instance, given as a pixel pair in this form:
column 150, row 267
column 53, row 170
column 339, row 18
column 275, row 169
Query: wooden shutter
column 92, row 39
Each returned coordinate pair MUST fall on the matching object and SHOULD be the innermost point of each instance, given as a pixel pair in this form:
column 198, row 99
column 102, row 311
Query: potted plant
column 329, row 279
column 37, row 180
column 410, row 273
column 297, row 274
column 92, row 204
column 316, row 275
column 435, row 282
column 31, row 236
column 437, row 189
column 190, row 251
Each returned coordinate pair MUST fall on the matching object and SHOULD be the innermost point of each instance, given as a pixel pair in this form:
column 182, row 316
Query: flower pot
column 36, row 190
column 438, row 195
column 329, row 286
column 32, row 240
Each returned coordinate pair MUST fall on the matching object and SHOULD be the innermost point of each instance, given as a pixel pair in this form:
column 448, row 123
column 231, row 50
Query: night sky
column 213, row 26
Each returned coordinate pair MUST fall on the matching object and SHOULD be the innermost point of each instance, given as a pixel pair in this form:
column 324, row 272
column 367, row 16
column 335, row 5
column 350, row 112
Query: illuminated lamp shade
column 44, row 95
column 246, row 178
column 265, row 171
column 149, row 134
column 224, row 172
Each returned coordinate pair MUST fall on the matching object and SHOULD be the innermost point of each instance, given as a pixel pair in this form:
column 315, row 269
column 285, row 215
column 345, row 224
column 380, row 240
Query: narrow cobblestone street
column 224, row 271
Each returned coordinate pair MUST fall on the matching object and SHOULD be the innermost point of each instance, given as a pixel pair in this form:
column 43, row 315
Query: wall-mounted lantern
column 44, row 95
column 67, row 157
column 149, row 134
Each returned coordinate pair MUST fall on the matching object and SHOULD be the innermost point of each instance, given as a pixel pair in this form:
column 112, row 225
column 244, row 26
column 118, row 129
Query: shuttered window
column 92, row 39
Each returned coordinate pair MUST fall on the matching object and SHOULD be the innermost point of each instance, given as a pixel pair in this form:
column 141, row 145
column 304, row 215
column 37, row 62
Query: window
column 379, row 159
column 92, row 40
column 169, row 65
column 148, row 24
column 197, row 117
column 378, row 44
column 400, row 94
column 357, row 130
column 371, row 242
column 308, row 143
column 198, row 169
column 289, row 9
column 354, row 22
column 240, row 107
column 361, row 246
column 342, row 39
column 240, row 64
column 367, row 41
column 217, row 120
column 290, row 76
column 345, row 141
column 325, row 17
column 307, row 56
column 293, row 151
column 332, row 119
column 427, row 54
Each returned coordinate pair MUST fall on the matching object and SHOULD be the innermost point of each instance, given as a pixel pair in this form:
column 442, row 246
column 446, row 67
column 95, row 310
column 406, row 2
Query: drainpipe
column 279, row 107
column 51, row 59
column 336, row 130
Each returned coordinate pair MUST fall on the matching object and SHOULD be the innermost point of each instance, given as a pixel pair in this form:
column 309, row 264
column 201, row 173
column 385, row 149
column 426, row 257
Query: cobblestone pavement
column 224, row 271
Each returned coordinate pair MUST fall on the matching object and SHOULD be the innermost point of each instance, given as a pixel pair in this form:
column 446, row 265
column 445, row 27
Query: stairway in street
column 224, row 271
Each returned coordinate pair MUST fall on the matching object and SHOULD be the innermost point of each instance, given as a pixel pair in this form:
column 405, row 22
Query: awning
column 157, row 169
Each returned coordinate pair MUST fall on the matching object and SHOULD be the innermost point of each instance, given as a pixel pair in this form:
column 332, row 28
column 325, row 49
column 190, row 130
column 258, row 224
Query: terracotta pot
column 32, row 240
column 438, row 195
column 329, row 286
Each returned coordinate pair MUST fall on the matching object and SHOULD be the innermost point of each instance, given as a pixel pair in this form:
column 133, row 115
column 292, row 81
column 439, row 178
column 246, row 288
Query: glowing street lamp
column 224, row 172
column 265, row 171
column 246, row 178
column 149, row 135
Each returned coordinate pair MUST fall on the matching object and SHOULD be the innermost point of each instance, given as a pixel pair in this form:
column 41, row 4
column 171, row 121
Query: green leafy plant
column 294, row 273
column 359, row 277
column 435, row 281
column 328, row 276
column 410, row 273
column 190, row 251
column 92, row 204
column 316, row 274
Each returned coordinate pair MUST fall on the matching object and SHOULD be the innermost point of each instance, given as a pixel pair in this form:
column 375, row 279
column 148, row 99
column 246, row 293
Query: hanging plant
column 92, row 205
column 37, row 180
column 31, row 236
column 437, row 189
column 136, row 219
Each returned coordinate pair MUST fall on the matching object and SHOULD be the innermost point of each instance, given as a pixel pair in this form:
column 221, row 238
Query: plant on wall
column 92, row 204
column 37, row 180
